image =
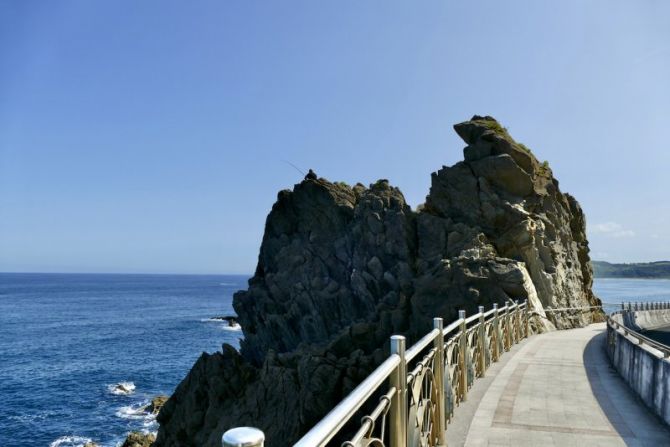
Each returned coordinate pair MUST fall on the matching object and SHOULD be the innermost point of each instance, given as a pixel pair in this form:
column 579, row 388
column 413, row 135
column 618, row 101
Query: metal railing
column 421, row 386
column 616, row 323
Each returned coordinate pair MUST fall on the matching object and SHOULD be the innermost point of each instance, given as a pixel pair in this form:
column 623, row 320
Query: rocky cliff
column 342, row 268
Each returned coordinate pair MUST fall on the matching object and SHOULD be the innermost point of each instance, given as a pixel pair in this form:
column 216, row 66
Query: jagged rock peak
column 324, row 243
column 486, row 137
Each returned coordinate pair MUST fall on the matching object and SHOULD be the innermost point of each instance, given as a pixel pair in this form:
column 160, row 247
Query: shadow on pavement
column 603, row 378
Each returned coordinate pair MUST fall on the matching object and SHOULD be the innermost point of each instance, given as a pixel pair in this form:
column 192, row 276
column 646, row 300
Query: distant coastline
column 642, row 270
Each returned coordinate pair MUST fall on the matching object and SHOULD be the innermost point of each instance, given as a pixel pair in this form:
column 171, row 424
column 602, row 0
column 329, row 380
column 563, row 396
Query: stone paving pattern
column 556, row 389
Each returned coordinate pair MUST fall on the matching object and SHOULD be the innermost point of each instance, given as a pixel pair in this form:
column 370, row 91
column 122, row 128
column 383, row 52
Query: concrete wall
column 641, row 366
column 646, row 319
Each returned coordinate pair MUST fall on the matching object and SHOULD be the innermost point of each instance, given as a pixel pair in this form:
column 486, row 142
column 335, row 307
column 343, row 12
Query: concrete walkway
column 556, row 389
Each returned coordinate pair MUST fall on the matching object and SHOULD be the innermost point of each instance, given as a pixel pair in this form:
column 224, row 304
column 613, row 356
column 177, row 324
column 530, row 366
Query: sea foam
column 70, row 441
column 132, row 412
column 224, row 324
column 121, row 388
column 138, row 413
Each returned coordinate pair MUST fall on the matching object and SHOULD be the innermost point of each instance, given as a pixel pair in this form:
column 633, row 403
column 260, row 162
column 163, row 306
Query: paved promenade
column 556, row 389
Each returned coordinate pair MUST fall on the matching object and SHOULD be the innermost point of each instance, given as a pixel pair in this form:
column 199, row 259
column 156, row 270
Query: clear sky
column 148, row 136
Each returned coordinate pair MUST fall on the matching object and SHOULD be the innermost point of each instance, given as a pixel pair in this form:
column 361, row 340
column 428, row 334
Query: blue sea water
column 613, row 291
column 66, row 340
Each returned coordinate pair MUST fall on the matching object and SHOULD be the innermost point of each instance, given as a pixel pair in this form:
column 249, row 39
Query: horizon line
column 123, row 273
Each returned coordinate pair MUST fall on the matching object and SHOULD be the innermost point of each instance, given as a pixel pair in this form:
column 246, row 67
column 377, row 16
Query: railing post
column 518, row 321
column 509, row 329
column 398, row 410
column 438, row 324
column 496, row 333
column 243, row 437
column 526, row 315
column 482, row 340
column 462, row 360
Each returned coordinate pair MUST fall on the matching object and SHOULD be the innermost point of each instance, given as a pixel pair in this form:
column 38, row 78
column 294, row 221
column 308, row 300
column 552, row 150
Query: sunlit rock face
column 343, row 268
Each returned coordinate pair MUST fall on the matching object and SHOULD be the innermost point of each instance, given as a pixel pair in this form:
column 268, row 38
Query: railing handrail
column 421, row 344
column 474, row 345
column 665, row 350
column 451, row 326
column 474, row 317
column 328, row 427
column 557, row 309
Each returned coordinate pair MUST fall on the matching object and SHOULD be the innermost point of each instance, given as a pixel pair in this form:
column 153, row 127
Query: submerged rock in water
column 137, row 439
column 342, row 268
column 154, row 407
column 231, row 320
column 122, row 388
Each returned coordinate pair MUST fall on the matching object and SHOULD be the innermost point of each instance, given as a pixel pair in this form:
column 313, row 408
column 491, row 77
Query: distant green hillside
column 659, row 269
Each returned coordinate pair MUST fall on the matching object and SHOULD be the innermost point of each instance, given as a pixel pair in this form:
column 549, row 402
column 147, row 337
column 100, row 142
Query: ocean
column 67, row 340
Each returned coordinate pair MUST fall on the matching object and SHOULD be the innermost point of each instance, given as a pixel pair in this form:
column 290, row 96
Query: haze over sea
column 66, row 338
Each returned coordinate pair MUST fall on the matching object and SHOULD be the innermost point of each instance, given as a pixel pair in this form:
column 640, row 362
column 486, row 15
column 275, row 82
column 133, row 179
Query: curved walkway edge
column 556, row 389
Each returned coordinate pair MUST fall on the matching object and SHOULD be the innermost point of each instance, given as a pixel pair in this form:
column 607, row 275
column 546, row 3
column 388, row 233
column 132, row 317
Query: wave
column 121, row 388
column 138, row 413
column 224, row 324
column 70, row 441
column 133, row 412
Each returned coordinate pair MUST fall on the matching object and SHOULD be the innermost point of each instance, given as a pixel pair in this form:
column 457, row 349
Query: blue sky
column 149, row 136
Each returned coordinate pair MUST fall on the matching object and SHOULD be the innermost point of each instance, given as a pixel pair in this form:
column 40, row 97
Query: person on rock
column 311, row 175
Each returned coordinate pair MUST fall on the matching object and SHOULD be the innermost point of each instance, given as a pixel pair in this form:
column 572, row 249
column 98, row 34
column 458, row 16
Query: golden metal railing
column 438, row 372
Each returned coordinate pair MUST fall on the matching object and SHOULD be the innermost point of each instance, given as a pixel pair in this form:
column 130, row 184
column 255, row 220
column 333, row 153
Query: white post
column 243, row 437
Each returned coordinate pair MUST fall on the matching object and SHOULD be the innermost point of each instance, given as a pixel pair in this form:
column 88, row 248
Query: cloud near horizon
column 610, row 229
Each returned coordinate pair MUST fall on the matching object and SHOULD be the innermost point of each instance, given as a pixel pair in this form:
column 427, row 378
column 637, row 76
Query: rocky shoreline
column 342, row 268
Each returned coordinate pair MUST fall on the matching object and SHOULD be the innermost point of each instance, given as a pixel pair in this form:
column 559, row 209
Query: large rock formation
column 341, row 269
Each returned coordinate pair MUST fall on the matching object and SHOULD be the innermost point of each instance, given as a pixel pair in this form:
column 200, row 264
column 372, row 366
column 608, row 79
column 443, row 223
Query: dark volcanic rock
column 341, row 269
